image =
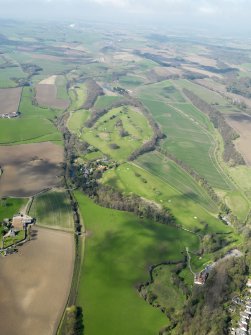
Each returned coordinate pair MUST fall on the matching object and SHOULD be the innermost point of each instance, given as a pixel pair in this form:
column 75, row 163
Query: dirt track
column 35, row 284
column 29, row 168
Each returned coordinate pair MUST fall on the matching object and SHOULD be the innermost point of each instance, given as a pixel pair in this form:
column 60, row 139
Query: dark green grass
column 53, row 209
column 118, row 251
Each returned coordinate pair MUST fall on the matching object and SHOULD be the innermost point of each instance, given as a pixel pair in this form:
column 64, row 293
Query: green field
column 189, row 207
column 78, row 95
column 61, row 88
column 106, row 132
column 10, row 206
column 105, row 101
column 53, row 210
column 188, row 141
column 118, row 250
column 34, row 125
column 8, row 74
column 77, row 120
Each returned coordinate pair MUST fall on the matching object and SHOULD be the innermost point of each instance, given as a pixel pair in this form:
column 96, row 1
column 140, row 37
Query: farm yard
column 44, row 269
column 29, row 168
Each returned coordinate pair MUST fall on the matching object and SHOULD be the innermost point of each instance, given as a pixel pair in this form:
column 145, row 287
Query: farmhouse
column 21, row 221
column 200, row 278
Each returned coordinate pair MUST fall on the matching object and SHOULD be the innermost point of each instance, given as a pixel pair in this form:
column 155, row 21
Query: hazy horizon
column 212, row 16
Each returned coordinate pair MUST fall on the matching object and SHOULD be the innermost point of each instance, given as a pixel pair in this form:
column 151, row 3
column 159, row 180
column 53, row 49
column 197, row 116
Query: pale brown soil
column 29, row 168
column 203, row 60
column 9, row 100
column 49, row 81
column 197, row 70
column 242, row 124
column 47, row 57
column 35, row 283
column 46, row 95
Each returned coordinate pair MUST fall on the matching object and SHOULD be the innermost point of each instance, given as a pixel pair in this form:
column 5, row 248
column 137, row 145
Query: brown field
column 47, row 57
column 9, row 100
column 35, row 283
column 197, row 70
column 46, row 95
column 29, row 168
column 242, row 124
column 49, row 81
column 203, row 60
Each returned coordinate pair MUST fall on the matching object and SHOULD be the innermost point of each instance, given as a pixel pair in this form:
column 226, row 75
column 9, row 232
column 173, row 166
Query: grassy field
column 61, row 88
column 104, row 101
column 53, row 210
column 204, row 93
column 106, row 132
column 77, row 120
column 189, row 141
column 7, row 74
column 78, row 95
column 10, row 206
column 119, row 249
column 35, row 124
column 190, row 208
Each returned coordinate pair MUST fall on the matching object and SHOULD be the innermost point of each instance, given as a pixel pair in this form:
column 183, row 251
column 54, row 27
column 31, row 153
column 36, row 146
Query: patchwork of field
column 53, row 210
column 78, row 95
column 119, row 132
column 242, row 124
column 41, row 269
column 47, row 94
column 118, row 251
column 9, row 100
column 35, row 125
column 29, row 168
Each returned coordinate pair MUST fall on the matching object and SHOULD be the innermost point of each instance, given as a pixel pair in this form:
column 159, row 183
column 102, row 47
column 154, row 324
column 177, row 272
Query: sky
column 212, row 14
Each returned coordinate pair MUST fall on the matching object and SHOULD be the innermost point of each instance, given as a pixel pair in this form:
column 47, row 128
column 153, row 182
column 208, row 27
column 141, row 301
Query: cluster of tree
column 241, row 86
column 73, row 324
column 93, row 91
column 213, row 242
column 31, row 69
column 121, row 129
column 206, row 310
column 230, row 154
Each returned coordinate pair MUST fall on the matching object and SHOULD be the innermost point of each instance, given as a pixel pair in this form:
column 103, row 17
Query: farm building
column 21, row 221
column 200, row 278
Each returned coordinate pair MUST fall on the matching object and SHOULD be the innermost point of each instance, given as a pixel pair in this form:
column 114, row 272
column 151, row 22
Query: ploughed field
column 29, row 168
column 35, row 283
column 47, row 94
column 9, row 100
column 242, row 124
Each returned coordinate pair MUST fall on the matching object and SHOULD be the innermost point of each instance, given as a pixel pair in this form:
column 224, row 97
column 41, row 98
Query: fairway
column 53, row 210
column 118, row 251
column 119, row 132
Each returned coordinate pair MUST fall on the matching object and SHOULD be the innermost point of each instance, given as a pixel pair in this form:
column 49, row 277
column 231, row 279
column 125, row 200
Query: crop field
column 46, row 95
column 106, row 133
column 53, row 210
column 122, row 246
column 189, row 208
column 62, row 93
column 35, row 124
column 29, row 168
column 9, row 100
column 188, row 141
column 78, row 95
column 45, row 265
column 242, row 125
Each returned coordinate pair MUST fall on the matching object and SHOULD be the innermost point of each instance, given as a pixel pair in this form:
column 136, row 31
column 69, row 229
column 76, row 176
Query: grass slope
column 119, row 249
